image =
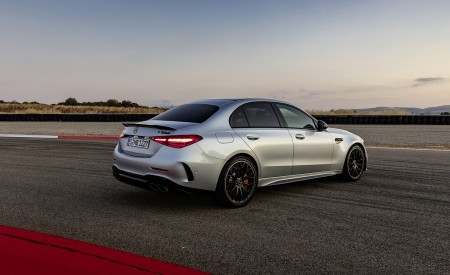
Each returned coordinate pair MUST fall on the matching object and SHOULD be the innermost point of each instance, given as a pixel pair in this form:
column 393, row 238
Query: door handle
column 299, row 136
column 252, row 137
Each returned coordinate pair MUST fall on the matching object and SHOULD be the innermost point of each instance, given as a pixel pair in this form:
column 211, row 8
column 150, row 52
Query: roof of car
column 217, row 102
column 222, row 101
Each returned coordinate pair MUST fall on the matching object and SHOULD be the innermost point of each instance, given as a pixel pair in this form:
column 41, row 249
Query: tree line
column 71, row 101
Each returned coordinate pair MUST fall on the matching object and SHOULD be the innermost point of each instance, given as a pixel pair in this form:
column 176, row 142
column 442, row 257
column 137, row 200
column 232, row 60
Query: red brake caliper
column 245, row 179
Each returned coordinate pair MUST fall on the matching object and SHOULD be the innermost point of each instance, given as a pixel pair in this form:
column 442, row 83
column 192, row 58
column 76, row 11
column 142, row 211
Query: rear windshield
column 196, row 113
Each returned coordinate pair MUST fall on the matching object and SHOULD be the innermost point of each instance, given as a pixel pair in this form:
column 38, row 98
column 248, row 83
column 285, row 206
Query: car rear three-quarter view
column 233, row 146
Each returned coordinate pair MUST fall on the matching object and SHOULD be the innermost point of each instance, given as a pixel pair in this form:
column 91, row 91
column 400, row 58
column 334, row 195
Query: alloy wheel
column 355, row 162
column 240, row 181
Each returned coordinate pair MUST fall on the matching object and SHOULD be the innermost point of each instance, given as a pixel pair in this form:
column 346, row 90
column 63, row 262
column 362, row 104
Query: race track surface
column 373, row 135
column 395, row 220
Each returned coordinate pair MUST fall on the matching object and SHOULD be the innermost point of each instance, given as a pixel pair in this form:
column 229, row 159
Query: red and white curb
column 60, row 137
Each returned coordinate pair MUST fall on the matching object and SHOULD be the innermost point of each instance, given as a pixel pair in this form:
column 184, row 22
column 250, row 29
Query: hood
column 339, row 131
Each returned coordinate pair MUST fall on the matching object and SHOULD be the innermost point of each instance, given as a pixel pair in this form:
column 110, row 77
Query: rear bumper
column 189, row 167
column 149, row 182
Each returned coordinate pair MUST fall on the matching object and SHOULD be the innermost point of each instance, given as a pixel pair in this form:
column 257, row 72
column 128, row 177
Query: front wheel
column 237, row 182
column 354, row 163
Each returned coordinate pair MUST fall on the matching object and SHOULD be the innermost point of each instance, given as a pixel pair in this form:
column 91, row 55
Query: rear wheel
column 354, row 163
column 237, row 183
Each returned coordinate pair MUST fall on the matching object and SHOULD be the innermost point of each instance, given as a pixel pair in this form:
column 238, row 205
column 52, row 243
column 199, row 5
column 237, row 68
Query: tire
column 354, row 165
column 237, row 182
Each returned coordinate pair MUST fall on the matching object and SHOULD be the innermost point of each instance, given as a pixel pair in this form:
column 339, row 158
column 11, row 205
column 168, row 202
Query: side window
column 296, row 118
column 261, row 115
column 238, row 119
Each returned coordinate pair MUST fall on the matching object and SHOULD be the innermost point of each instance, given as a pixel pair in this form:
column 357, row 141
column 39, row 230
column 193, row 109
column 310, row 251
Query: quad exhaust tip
column 158, row 188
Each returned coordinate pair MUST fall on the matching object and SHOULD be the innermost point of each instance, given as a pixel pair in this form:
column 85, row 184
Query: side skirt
column 294, row 178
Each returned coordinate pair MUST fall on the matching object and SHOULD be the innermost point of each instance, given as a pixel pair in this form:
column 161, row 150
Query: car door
column 258, row 125
column 313, row 149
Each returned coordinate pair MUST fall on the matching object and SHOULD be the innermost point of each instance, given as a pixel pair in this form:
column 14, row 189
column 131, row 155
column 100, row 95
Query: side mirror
column 321, row 125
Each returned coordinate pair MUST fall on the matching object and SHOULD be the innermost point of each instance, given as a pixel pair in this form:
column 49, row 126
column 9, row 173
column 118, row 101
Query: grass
column 11, row 108
column 355, row 112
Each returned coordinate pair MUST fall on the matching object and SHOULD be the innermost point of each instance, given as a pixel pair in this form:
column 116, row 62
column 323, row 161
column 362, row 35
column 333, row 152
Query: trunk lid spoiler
column 161, row 124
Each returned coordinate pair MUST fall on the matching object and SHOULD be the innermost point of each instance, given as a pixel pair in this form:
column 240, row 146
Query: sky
column 315, row 54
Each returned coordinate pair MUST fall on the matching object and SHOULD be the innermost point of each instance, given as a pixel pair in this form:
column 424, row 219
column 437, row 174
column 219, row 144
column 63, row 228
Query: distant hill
column 416, row 111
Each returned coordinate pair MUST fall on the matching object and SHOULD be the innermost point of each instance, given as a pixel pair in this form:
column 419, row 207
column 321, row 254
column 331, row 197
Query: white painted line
column 89, row 137
column 25, row 136
column 405, row 148
column 60, row 137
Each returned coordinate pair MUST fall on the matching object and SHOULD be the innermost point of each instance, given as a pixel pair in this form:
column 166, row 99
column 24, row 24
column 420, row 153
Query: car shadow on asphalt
column 145, row 199
column 302, row 185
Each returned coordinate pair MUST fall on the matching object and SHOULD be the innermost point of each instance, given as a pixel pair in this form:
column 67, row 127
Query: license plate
column 139, row 142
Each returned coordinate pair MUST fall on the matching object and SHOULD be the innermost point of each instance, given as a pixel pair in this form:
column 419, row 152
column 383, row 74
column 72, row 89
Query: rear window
column 196, row 113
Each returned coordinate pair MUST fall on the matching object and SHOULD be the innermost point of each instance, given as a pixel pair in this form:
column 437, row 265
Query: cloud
column 350, row 96
column 161, row 103
column 315, row 94
column 426, row 80
column 301, row 93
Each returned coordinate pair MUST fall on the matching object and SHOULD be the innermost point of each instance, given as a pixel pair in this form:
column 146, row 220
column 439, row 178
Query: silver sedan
column 233, row 146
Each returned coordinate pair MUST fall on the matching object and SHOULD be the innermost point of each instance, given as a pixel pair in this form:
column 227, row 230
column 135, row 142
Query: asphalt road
column 396, row 219
column 437, row 136
column 402, row 135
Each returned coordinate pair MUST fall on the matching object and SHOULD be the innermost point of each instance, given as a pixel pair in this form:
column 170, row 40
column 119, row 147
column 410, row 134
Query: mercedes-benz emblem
column 136, row 130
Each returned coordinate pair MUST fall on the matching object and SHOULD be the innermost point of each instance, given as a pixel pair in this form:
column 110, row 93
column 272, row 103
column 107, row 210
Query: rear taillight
column 123, row 133
column 179, row 141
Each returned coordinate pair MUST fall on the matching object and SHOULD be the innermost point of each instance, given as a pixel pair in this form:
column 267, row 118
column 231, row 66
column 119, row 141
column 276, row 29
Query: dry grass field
column 355, row 112
column 10, row 108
